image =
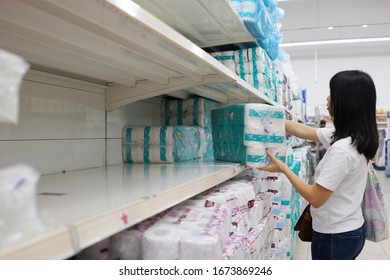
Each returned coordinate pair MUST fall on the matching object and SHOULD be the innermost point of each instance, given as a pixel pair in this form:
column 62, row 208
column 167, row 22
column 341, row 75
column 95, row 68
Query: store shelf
column 207, row 23
column 119, row 44
column 53, row 244
column 381, row 125
column 93, row 204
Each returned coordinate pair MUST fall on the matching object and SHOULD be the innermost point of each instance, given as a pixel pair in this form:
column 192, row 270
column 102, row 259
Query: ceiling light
column 364, row 25
column 330, row 27
column 334, row 42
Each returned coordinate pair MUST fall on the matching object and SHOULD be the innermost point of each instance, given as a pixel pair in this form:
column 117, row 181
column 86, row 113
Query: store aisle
column 371, row 250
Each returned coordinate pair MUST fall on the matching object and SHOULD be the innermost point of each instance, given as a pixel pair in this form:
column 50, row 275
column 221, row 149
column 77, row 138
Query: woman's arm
column 302, row 131
column 315, row 194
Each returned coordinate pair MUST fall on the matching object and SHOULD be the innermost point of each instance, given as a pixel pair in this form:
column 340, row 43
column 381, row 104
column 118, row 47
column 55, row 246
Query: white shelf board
column 113, row 41
column 52, row 244
column 118, row 44
column 93, row 204
column 207, row 23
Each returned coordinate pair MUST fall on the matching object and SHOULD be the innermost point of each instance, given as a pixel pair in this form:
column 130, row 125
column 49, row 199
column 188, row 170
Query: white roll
column 126, row 245
column 235, row 248
column 216, row 55
column 138, row 135
column 255, row 240
column 241, row 56
column 161, row 242
column 241, row 222
column 244, row 67
column 197, row 245
column 230, row 64
column 249, row 10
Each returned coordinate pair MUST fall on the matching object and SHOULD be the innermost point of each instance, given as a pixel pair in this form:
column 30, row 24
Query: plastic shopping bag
column 374, row 210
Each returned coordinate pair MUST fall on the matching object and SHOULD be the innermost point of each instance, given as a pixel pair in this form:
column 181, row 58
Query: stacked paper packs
column 243, row 132
column 235, row 248
column 188, row 231
column 191, row 112
column 162, row 143
column 127, row 244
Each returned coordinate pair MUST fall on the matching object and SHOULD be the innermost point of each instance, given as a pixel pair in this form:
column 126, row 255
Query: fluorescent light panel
column 334, row 42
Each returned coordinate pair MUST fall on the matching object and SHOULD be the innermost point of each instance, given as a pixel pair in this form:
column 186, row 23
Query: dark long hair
column 353, row 106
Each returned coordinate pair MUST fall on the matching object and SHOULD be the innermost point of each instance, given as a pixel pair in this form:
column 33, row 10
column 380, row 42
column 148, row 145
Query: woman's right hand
column 275, row 165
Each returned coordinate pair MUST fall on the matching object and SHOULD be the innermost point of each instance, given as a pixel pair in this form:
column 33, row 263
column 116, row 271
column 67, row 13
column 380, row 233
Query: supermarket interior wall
column 317, row 82
column 63, row 126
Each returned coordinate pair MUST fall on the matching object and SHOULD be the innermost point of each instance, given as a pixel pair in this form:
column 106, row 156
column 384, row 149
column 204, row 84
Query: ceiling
column 318, row 20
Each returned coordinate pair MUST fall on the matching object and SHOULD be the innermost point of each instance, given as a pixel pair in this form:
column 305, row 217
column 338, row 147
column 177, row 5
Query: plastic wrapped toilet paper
column 188, row 231
column 188, row 106
column 255, row 115
column 249, row 135
column 12, row 69
column 190, row 112
column 255, row 241
column 241, row 56
column 241, row 222
column 265, row 199
column 250, row 156
column 227, row 56
column 241, row 133
column 230, row 64
column 249, row 10
column 19, row 218
column 254, row 181
column 162, row 143
column 235, row 248
column 188, row 119
column 127, row 244
column 253, row 67
column 237, row 196
column 160, row 242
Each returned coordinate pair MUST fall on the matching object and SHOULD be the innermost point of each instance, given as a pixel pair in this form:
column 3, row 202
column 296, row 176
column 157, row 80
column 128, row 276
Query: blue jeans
column 337, row 246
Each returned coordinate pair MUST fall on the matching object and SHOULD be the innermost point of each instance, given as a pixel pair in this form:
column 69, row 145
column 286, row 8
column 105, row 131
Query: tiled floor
column 371, row 250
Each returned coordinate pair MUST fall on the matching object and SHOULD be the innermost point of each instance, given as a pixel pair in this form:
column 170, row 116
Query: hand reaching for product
column 275, row 165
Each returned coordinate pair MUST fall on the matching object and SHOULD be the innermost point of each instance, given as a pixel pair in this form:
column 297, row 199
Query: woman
column 340, row 177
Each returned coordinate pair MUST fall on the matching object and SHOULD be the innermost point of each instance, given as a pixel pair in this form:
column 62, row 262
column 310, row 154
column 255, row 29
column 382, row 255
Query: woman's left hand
column 275, row 165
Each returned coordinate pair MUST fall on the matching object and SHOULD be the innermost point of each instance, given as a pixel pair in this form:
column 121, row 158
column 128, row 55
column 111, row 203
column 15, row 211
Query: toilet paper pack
column 251, row 114
column 162, row 143
column 127, row 244
column 249, row 135
column 235, row 248
column 251, row 156
column 197, row 105
column 240, row 222
column 188, row 231
column 237, row 196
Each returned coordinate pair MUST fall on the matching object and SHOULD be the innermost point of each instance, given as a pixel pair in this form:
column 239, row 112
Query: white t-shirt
column 344, row 171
